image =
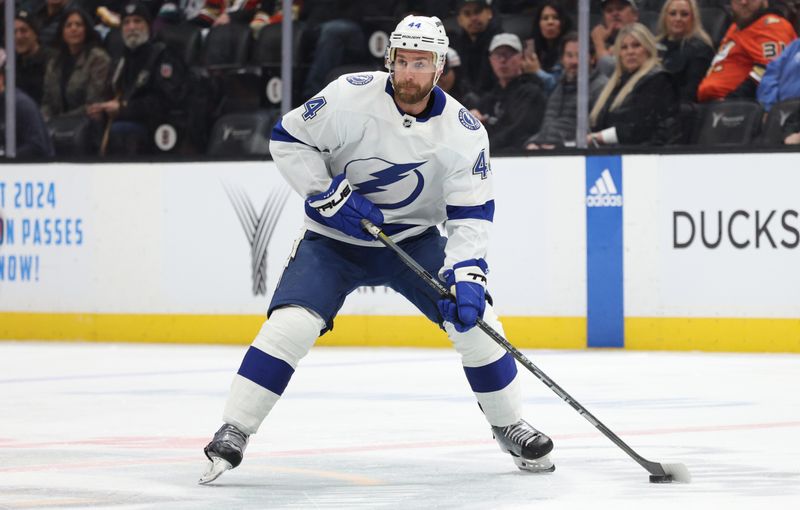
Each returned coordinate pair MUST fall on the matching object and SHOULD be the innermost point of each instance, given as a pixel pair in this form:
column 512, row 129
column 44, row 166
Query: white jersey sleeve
column 469, row 199
column 303, row 139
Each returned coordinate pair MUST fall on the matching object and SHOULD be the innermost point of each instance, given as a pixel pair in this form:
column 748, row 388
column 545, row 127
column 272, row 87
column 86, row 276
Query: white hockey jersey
column 419, row 171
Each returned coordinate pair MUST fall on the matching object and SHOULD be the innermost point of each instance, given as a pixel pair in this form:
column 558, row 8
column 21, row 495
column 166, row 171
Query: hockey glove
column 343, row 209
column 467, row 282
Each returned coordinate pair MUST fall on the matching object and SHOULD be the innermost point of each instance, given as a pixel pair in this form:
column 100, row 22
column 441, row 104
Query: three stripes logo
column 258, row 228
column 604, row 192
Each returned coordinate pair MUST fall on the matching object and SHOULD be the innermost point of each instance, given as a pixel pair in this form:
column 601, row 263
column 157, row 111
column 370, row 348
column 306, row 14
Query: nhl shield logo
column 166, row 71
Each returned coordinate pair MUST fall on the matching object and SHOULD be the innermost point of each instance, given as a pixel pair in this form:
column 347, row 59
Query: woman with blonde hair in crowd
column 76, row 75
column 684, row 46
column 637, row 105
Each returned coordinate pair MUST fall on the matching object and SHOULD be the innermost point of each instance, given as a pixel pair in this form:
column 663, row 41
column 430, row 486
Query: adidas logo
column 604, row 192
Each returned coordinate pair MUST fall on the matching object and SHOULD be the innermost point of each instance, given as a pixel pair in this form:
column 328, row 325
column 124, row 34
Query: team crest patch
column 359, row 79
column 468, row 120
column 166, row 71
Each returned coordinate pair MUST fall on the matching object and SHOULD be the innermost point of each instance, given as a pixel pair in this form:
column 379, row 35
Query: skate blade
column 215, row 467
column 541, row 465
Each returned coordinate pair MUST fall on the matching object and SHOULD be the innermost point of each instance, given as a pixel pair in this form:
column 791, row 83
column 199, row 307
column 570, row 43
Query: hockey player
column 397, row 150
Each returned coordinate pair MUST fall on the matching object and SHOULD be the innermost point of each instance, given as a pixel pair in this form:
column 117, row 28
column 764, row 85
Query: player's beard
column 410, row 93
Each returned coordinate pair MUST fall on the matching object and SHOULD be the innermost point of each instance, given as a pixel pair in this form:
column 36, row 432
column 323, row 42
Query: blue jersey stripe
column 280, row 134
column 476, row 212
column 492, row 377
column 266, row 371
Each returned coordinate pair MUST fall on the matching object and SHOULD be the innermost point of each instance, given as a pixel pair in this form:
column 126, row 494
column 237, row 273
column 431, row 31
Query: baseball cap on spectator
column 506, row 39
column 453, row 60
column 27, row 18
column 482, row 3
column 136, row 9
column 632, row 3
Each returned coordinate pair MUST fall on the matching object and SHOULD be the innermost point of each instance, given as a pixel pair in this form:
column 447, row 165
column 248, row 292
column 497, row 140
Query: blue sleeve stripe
column 492, row 377
column 476, row 212
column 265, row 370
column 280, row 134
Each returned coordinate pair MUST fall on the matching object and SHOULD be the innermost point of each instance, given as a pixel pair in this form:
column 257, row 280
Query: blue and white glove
column 343, row 209
column 467, row 282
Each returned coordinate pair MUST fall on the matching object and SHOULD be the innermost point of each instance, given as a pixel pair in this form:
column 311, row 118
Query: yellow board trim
column 714, row 335
column 349, row 330
column 641, row 333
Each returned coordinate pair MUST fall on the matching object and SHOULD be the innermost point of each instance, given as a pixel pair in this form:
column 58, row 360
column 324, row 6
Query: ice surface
column 123, row 426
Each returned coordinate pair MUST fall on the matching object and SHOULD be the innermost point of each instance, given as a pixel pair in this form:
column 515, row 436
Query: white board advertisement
column 712, row 236
column 213, row 238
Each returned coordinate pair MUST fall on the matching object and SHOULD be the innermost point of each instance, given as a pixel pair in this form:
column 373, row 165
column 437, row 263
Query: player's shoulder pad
column 460, row 121
column 357, row 82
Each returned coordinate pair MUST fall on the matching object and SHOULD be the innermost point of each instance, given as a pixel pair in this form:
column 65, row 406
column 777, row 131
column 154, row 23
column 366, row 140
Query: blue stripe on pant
column 492, row 377
column 265, row 370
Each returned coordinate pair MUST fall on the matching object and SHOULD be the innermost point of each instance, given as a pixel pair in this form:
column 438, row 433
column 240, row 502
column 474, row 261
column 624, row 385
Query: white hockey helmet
column 419, row 33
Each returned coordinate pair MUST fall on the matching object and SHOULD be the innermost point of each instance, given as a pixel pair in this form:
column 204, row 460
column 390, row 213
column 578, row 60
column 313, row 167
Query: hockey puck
column 660, row 478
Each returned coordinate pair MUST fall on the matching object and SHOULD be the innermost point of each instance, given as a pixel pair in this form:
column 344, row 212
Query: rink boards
column 685, row 252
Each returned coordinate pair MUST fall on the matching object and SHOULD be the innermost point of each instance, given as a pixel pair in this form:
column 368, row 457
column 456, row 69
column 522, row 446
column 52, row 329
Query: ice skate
column 224, row 452
column 528, row 447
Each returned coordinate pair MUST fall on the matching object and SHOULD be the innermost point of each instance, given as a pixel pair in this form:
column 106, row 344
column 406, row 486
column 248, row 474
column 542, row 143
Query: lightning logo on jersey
column 387, row 173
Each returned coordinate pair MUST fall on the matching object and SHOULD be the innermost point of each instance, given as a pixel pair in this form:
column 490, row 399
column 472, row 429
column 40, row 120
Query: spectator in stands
column 684, row 46
column 755, row 38
column 222, row 12
column 269, row 12
column 616, row 14
column 48, row 16
column 551, row 22
column 637, row 105
column 333, row 37
column 32, row 56
column 32, row 137
column 77, row 73
column 477, row 27
column 147, row 83
column 514, row 108
column 781, row 80
column 560, row 116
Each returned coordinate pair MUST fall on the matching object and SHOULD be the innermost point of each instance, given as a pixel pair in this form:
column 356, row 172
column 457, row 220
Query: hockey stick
column 659, row 473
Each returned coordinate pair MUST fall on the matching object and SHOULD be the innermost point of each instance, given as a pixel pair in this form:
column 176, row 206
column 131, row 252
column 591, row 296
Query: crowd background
column 105, row 78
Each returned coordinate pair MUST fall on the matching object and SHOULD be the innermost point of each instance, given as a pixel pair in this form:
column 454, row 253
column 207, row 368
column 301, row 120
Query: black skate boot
column 224, row 452
column 528, row 447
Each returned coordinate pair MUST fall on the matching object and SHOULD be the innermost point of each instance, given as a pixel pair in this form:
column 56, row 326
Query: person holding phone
column 541, row 55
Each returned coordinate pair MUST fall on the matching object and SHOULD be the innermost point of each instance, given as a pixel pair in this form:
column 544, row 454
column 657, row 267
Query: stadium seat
column 268, row 44
column 239, row 134
column 772, row 132
column 716, row 22
column 519, row 24
column 227, row 46
column 70, row 135
column 377, row 30
column 266, row 56
column 729, row 122
column 184, row 40
column 113, row 44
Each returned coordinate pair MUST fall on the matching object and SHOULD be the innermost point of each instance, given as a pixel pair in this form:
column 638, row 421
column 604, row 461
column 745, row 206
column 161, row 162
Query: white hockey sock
column 287, row 336
column 501, row 407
